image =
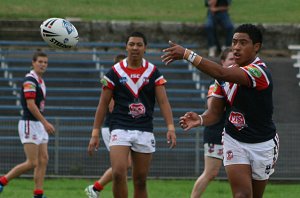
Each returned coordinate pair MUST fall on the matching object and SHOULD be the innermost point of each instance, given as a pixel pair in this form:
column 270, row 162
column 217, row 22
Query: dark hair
column 137, row 34
column 253, row 31
column 38, row 53
column 225, row 53
column 119, row 57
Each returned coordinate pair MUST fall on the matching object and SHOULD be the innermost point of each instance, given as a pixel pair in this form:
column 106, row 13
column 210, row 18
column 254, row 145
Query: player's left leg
column 259, row 187
column 140, row 168
column 211, row 169
column 240, row 179
column 40, row 169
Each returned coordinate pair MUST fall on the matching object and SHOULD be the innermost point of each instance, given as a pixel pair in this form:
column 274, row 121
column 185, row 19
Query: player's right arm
column 211, row 116
column 104, row 101
column 37, row 114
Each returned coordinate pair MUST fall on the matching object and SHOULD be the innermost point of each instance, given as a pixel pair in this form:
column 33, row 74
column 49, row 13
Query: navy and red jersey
column 213, row 134
column 33, row 87
column 134, row 95
column 249, row 109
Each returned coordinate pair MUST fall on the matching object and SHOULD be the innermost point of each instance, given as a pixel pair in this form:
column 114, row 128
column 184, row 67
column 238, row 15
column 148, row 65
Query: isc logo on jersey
column 59, row 33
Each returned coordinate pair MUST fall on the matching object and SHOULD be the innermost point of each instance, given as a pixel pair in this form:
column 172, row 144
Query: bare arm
column 211, row 116
column 232, row 74
column 165, row 108
column 34, row 110
column 105, row 99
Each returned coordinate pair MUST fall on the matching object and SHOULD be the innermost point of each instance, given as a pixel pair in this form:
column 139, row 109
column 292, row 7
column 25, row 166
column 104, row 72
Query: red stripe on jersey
column 211, row 89
column 257, row 76
column 30, row 95
column 160, row 81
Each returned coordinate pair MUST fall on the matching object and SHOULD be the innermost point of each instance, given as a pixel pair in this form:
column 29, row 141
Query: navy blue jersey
column 33, row 87
column 213, row 134
column 134, row 95
column 249, row 109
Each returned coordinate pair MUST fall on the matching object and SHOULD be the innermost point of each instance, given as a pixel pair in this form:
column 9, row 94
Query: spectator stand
column 296, row 57
column 73, row 90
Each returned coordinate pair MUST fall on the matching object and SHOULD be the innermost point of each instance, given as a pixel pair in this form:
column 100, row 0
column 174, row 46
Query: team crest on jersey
column 123, row 80
column 137, row 110
column 238, row 120
column 229, row 155
column 146, row 80
column 254, row 72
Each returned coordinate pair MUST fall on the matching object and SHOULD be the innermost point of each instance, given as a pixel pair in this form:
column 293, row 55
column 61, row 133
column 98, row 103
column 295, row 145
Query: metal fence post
column 56, row 147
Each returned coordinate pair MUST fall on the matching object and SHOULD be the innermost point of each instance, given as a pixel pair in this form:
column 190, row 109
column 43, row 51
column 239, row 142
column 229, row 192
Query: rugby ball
column 59, row 33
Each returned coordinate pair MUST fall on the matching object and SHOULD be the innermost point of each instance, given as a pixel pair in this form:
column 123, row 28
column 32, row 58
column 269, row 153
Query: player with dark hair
column 93, row 191
column 33, row 127
column 134, row 84
column 212, row 135
column 250, row 141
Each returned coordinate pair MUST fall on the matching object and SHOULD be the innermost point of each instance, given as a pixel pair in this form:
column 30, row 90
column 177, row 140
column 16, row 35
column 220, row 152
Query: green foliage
column 60, row 188
column 254, row 11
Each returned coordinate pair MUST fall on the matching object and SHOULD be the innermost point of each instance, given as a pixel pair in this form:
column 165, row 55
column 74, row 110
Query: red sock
column 97, row 186
column 3, row 181
column 38, row 192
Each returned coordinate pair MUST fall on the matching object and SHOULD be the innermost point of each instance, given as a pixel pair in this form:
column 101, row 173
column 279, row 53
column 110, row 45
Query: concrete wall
column 276, row 37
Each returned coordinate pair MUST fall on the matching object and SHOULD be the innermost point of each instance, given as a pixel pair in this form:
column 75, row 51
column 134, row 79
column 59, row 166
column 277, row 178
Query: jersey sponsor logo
column 135, row 76
column 123, row 80
column 254, row 72
column 137, row 110
column 238, row 120
column 104, row 82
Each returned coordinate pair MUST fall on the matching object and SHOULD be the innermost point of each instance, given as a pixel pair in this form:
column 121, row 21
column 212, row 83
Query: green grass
column 74, row 188
column 254, row 11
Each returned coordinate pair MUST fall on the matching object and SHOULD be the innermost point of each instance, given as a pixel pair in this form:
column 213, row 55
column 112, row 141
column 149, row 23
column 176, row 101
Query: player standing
column 33, row 127
column 134, row 84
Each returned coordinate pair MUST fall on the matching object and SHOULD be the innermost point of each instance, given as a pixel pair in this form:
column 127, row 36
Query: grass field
column 254, row 11
column 74, row 188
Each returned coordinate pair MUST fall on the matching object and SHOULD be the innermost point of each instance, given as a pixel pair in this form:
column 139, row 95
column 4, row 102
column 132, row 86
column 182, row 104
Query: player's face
column 40, row 65
column 229, row 60
column 244, row 51
column 135, row 48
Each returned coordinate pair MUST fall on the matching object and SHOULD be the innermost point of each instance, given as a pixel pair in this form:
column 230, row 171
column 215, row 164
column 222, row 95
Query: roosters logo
column 137, row 110
column 238, row 120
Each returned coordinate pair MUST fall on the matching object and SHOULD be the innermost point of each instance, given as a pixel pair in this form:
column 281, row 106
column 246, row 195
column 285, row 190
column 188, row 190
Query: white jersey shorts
column 213, row 150
column 105, row 136
column 32, row 132
column 138, row 141
column 261, row 156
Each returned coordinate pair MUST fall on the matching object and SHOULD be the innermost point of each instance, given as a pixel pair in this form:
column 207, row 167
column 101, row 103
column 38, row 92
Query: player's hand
column 171, row 138
column 189, row 120
column 174, row 52
column 49, row 127
column 93, row 145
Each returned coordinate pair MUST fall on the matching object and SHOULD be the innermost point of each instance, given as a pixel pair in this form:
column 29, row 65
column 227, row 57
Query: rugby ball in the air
column 59, row 33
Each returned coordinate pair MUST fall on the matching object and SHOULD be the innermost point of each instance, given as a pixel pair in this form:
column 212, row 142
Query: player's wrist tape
column 192, row 57
column 201, row 120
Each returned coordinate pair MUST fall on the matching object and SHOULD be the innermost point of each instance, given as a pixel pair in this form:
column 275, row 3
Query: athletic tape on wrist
column 201, row 120
column 192, row 57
